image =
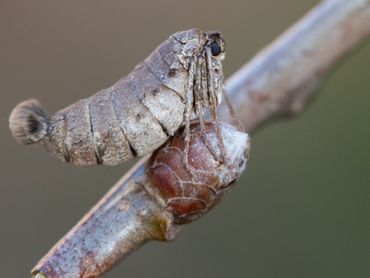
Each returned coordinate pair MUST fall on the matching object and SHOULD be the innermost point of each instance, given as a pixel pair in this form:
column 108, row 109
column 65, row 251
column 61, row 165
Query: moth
column 179, row 80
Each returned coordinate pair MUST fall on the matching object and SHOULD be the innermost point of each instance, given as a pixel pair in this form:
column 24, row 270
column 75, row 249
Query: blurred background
column 300, row 210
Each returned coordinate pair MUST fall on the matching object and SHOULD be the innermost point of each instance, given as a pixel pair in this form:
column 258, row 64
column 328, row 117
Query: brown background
column 300, row 210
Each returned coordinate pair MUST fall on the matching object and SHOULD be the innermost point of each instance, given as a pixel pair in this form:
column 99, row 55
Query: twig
column 278, row 82
column 282, row 77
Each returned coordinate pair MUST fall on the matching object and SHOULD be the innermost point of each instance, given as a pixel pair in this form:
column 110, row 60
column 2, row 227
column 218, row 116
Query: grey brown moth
column 136, row 115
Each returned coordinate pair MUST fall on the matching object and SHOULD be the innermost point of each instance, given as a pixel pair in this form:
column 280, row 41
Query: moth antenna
column 29, row 122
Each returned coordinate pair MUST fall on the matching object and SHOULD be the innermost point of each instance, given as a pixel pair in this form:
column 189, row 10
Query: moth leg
column 187, row 117
column 214, row 103
column 219, row 137
column 199, row 93
column 199, row 109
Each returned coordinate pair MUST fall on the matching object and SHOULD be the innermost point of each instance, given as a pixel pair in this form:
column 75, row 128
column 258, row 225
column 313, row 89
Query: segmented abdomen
column 132, row 118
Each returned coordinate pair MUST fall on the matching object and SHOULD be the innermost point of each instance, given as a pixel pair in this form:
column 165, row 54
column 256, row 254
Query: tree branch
column 277, row 82
column 282, row 77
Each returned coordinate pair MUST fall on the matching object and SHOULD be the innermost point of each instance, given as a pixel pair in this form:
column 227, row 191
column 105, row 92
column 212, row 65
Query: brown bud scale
column 189, row 192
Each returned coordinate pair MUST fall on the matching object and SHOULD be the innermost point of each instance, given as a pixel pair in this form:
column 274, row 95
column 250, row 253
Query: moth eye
column 215, row 48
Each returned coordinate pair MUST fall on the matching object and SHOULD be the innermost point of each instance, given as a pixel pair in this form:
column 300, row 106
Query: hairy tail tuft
column 29, row 122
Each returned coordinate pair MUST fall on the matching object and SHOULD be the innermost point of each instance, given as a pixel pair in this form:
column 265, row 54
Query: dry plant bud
column 189, row 192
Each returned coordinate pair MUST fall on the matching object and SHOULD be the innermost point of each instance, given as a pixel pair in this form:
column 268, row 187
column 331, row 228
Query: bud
column 190, row 191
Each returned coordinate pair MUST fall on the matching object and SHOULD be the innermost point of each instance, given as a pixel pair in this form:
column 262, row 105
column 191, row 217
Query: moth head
column 215, row 54
column 216, row 44
column 194, row 42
